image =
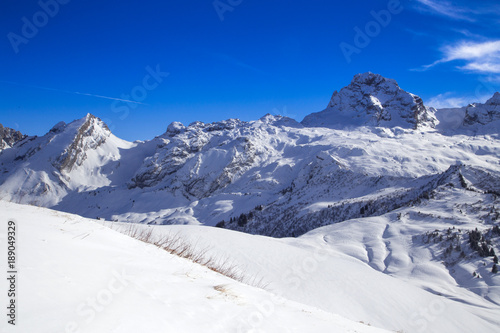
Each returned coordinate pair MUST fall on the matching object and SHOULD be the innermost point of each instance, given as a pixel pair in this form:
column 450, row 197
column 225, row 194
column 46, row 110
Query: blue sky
column 140, row 65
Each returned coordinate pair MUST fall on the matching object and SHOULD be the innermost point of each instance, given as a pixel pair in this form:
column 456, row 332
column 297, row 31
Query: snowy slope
column 75, row 275
column 380, row 270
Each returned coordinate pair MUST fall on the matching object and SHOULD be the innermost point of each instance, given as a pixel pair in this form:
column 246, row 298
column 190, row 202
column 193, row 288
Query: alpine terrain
column 378, row 209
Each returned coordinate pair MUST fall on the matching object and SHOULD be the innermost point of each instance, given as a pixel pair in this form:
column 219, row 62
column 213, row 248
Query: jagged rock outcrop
column 89, row 135
column 9, row 137
column 373, row 100
column 210, row 156
column 483, row 114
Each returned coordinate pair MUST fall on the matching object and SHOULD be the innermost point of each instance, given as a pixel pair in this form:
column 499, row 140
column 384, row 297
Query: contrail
column 73, row 92
column 106, row 97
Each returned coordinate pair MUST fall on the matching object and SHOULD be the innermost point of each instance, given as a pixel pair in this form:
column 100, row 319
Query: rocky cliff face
column 372, row 100
column 9, row 137
column 483, row 113
column 89, row 135
column 202, row 158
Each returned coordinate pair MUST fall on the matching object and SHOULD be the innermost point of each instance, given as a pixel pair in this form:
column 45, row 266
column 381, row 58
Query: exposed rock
column 9, row 137
column 90, row 135
column 483, row 113
column 373, row 100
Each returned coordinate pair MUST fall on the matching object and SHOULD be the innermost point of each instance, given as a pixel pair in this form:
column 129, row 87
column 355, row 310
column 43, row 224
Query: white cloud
column 484, row 67
column 480, row 57
column 472, row 51
column 445, row 100
column 447, row 9
column 451, row 100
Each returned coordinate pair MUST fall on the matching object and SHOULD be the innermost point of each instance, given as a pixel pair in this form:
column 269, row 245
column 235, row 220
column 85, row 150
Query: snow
column 377, row 270
column 364, row 270
column 271, row 162
column 371, row 99
column 80, row 275
column 383, row 194
column 473, row 119
column 76, row 275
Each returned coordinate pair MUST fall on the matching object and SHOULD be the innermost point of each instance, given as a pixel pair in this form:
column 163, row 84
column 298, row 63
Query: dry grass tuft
column 176, row 245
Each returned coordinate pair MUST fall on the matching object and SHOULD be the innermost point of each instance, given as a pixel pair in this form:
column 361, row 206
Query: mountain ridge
column 212, row 172
column 397, row 204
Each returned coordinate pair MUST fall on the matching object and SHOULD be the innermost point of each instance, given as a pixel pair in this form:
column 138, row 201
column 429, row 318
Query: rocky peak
column 175, row 128
column 483, row 114
column 9, row 137
column 373, row 100
column 370, row 81
column 495, row 100
column 278, row 121
column 87, row 133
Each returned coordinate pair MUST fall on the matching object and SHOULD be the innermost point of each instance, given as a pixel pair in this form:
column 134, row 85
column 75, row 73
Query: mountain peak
column 9, row 137
column 495, row 100
column 87, row 133
column 483, row 113
column 90, row 119
column 373, row 100
column 371, row 79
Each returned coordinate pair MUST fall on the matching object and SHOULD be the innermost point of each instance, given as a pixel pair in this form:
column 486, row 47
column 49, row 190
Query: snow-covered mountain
column 378, row 178
column 483, row 113
column 70, row 157
column 272, row 176
column 370, row 99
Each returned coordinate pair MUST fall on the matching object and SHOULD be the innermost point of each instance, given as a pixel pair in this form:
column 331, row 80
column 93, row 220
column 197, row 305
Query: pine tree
column 242, row 220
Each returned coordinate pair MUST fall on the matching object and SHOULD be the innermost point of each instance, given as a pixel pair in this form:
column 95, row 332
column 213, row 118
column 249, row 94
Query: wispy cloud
column 483, row 67
column 446, row 8
column 468, row 33
column 479, row 57
column 453, row 100
column 446, row 100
